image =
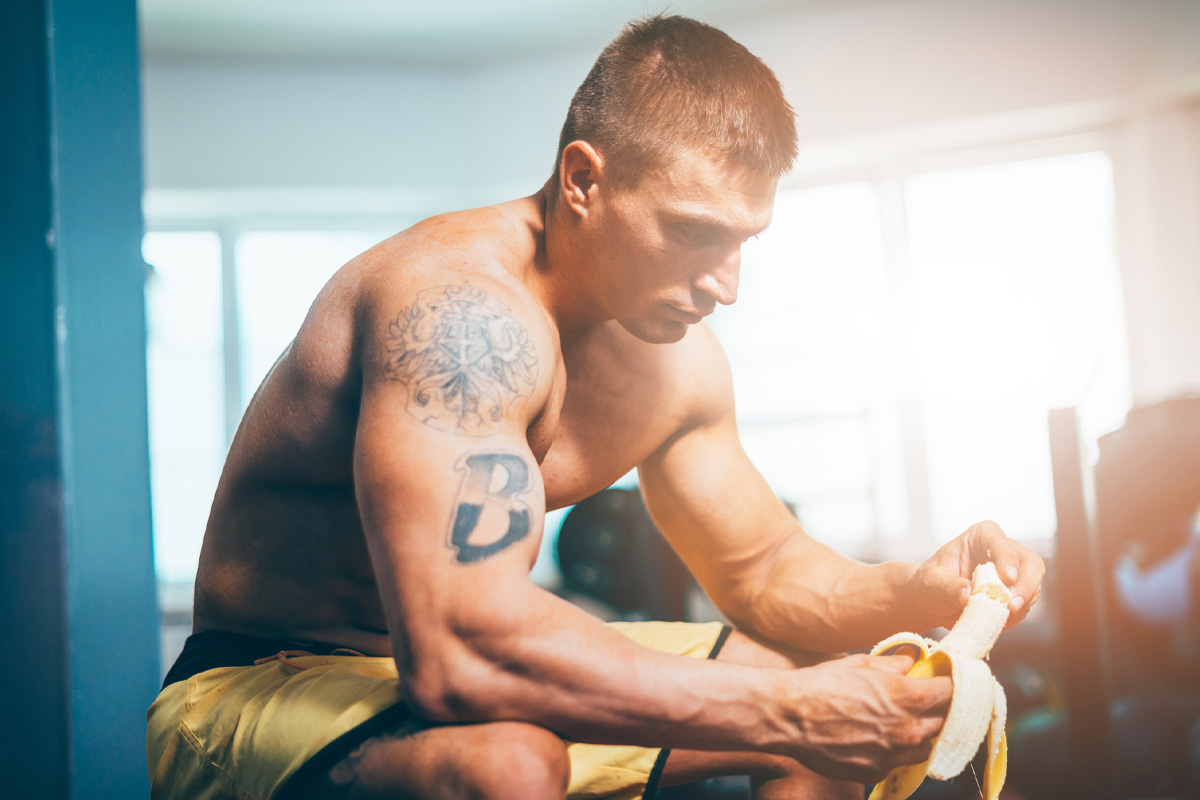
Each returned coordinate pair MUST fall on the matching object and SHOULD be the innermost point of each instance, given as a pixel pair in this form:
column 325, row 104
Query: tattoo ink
column 477, row 493
column 463, row 356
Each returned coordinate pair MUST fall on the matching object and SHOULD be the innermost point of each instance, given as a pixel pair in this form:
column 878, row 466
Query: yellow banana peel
column 978, row 708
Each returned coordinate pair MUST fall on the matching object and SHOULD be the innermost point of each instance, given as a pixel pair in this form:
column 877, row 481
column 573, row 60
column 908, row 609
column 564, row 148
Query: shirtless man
column 382, row 504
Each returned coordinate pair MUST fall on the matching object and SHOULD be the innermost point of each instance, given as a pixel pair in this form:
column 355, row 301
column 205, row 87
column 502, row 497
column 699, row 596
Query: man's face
column 668, row 249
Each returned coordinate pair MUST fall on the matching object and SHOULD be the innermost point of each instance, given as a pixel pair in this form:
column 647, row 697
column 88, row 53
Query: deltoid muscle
column 464, row 357
column 978, row 707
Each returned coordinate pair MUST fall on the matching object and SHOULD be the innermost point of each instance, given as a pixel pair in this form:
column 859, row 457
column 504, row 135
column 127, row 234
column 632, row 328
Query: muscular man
column 365, row 622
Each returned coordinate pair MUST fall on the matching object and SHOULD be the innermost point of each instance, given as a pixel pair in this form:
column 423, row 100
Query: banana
column 983, row 618
column 978, row 708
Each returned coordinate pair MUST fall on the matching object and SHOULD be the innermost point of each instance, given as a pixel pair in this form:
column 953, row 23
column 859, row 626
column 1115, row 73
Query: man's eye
column 692, row 235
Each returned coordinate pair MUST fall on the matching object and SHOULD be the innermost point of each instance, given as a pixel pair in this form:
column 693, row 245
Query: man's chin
column 658, row 331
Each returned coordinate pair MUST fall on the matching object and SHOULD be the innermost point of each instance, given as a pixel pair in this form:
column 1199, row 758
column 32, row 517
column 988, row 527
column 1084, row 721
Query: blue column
column 77, row 594
column 33, row 736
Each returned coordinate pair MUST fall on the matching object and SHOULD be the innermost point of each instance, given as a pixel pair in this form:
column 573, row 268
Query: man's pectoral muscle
column 488, row 516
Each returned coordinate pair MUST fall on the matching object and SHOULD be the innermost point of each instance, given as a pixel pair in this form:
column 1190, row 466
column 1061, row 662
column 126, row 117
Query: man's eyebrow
column 718, row 223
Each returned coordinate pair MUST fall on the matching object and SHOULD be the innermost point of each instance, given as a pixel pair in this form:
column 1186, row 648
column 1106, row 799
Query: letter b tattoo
column 477, row 493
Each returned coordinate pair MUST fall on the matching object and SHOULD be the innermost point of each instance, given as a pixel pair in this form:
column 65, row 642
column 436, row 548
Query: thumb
column 896, row 664
column 950, row 587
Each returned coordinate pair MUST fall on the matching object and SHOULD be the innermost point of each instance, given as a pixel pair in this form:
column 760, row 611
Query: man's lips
column 689, row 317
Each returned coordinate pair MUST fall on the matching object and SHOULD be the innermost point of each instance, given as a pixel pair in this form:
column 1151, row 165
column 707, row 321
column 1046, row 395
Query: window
column 807, row 342
column 278, row 276
column 1018, row 311
column 184, row 353
column 193, row 415
column 894, row 382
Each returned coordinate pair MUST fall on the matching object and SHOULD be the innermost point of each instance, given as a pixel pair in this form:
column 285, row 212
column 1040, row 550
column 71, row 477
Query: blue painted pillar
column 77, row 593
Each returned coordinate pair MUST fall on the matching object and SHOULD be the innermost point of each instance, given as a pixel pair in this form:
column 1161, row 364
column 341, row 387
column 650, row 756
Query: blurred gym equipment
column 1129, row 650
column 610, row 551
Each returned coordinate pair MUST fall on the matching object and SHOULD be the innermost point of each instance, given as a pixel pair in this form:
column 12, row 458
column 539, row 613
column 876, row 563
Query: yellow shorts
column 242, row 732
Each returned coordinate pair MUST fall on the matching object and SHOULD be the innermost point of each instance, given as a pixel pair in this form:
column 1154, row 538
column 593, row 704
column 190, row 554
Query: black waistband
column 212, row 649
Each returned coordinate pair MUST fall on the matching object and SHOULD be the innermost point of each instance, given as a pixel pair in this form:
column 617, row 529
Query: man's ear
column 580, row 174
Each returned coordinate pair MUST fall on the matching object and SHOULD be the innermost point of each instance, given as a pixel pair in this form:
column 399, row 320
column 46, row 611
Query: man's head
column 668, row 161
column 667, row 84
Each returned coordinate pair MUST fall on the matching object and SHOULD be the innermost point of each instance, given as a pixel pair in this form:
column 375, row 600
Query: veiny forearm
column 813, row 598
column 541, row 660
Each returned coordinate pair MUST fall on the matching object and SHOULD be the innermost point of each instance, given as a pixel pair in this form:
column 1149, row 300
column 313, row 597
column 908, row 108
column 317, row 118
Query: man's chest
column 610, row 417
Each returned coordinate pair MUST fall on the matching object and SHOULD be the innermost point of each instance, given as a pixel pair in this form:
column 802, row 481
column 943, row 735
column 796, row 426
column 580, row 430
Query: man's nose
column 721, row 279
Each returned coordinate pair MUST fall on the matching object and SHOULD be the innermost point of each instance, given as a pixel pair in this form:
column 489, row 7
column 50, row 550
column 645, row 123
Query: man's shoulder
column 456, row 263
column 700, row 369
column 471, row 247
column 443, row 311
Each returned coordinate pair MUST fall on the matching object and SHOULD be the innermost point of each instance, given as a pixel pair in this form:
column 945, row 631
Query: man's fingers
column 1015, row 619
column 896, row 664
column 1030, row 570
column 999, row 549
column 1033, row 569
column 1020, row 568
column 955, row 588
column 931, row 696
column 929, row 728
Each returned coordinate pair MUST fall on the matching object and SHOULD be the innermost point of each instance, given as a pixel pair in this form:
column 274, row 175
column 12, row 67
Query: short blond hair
column 668, row 83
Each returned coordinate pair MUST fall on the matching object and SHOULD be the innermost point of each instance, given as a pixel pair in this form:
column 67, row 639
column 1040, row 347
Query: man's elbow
column 451, row 688
column 740, row 602
column 761, row 608
column 435, row 701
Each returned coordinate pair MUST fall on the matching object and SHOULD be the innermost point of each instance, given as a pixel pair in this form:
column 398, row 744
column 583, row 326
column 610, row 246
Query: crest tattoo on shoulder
column 463, row 356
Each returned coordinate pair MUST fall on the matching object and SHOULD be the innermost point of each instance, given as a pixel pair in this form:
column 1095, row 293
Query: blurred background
column 987, row 257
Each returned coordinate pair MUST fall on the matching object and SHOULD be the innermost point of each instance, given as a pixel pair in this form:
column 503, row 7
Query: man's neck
column 562, row 284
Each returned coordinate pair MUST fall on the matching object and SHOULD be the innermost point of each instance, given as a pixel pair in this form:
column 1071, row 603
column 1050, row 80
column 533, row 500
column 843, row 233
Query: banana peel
column 978, row 706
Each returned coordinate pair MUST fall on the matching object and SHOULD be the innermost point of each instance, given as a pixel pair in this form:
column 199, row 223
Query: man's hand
column 861, row 718
column 942, row 585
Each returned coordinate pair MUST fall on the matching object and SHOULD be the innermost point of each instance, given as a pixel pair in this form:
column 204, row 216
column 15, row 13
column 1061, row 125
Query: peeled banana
column 978, row 707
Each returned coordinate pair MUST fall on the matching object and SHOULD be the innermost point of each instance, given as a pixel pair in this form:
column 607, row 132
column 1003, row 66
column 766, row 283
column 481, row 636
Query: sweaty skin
column 387, row 487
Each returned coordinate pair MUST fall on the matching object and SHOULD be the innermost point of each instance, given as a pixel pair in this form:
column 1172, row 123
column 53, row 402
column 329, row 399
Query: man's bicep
column 442, row 502
column 449, row 493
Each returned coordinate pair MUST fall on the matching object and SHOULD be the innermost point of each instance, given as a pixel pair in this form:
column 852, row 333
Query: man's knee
column 518, row 761
column 494, row 761
column 790, row 778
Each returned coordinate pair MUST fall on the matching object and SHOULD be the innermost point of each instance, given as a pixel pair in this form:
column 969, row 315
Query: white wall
column 873, row 84
column 892, row 65
column 218, row 126
column 1157, row 176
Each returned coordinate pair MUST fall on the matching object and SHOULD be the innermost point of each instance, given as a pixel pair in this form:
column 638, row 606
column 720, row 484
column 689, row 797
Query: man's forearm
column 815, row 599
column 541, row 660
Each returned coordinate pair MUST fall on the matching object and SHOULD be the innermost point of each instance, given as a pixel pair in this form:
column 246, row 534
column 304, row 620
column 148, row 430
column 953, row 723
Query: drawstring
column 285, row 656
